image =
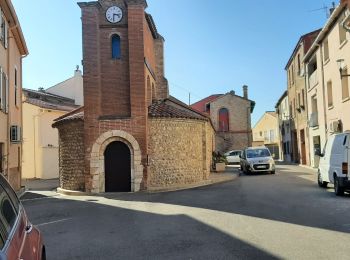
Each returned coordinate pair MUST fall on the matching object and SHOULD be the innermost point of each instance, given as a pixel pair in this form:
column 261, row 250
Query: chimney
column 245, row 92
column 77, row 71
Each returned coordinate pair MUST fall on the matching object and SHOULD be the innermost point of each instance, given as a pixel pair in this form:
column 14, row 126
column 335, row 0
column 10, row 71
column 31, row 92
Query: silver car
column 257, row 159
column 233, row 157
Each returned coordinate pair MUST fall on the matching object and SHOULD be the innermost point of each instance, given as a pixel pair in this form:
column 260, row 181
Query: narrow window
column 303, row 99
column 223, row 120
column 326, row 50
column 345, row 84
column 330, row 93
column 16, row 89
column 342, row 33
column 116, row 53
column 154, row 96
column 299, row 64
column 149, row 91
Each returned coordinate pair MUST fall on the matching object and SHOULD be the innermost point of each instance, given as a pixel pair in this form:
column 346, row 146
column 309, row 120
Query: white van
column 334, row 163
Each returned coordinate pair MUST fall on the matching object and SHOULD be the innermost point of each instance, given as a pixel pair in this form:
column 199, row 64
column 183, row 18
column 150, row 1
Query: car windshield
column 255, row 153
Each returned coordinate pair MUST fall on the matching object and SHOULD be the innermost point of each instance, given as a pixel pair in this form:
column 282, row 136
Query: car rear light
column 345, row 168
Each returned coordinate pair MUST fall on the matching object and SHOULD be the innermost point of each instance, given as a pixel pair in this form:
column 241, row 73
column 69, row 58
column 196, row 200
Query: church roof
column 167, row 108
column 173, row 108
column 75, row 115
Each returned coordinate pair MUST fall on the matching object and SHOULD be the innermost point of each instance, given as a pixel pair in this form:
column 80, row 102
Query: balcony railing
column 313, row 119
column 313, row 79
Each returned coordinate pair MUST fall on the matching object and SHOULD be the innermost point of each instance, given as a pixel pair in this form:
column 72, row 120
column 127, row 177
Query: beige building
column 266, row 132
column 284, row 122
column 327, row 91
column 40, row 140
column 12, row 50
column 297, row 99
column 231, row 117
column 71, row 88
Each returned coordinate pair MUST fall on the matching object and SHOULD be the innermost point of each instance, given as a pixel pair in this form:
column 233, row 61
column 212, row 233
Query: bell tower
column 115, row 80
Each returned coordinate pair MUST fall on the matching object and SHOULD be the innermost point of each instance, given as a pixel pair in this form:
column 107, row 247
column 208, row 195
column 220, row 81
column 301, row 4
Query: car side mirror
column 240, row 156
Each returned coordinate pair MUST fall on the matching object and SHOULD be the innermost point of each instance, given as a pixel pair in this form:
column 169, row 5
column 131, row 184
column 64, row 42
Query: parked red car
column 19, row 239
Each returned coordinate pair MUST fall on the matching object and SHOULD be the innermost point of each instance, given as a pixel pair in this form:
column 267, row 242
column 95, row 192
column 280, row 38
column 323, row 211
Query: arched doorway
column 117, row 167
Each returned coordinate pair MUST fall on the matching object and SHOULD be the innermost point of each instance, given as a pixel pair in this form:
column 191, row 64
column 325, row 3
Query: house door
column 295, row 154
column 303, row 147
column 117, row 168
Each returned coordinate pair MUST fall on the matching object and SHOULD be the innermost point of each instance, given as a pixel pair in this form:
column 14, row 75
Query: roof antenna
column 328, row 10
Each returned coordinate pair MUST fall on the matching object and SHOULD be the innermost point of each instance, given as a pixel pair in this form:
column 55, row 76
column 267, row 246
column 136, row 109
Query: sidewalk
column 41, row 185
column 230, row 174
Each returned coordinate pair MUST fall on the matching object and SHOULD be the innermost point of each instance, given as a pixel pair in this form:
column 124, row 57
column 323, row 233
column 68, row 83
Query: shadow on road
column 283, row 197
column 88, row 230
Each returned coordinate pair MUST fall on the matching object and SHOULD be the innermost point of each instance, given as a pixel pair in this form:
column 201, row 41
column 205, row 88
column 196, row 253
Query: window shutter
column 1, row 91
column 7, row 95
column 6, row 34
column 1, row 25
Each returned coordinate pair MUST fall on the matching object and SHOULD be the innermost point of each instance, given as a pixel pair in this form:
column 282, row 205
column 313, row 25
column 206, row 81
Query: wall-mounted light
column 340, row 66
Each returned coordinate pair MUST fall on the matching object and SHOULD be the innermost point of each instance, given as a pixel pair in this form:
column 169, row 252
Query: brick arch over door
column 97, row 164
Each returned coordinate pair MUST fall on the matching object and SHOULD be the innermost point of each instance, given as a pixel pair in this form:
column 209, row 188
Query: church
column 130, row 135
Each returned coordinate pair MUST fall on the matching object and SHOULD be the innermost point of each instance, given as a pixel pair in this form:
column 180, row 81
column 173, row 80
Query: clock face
column 114, row 14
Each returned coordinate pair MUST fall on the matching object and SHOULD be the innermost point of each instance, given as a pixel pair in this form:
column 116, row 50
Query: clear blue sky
column 211, row 46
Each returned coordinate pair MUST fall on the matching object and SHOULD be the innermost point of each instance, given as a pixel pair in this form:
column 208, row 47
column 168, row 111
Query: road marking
column 52, row 222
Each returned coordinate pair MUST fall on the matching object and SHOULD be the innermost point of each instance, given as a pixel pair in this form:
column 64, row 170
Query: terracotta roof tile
column 167, row 108
column 50, row 105
column 74, row 117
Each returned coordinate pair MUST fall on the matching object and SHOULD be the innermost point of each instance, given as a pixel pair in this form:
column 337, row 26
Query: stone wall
column 232, row 141
column 179, row 152
column 240, row 133
column 71, row 159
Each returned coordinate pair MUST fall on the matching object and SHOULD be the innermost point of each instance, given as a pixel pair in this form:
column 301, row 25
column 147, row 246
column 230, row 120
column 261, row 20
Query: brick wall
column 179, row 152
column 115, row 91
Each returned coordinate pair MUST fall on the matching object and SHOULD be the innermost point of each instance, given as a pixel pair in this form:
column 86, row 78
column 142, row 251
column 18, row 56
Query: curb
column 223, row 179
column 73, row 193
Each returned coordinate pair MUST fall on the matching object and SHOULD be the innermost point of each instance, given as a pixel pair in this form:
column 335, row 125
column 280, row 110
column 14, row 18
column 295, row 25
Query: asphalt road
column 282, row 216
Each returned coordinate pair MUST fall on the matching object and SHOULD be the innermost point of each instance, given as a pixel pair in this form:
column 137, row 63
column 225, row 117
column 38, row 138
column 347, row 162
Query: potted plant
column 219, row 162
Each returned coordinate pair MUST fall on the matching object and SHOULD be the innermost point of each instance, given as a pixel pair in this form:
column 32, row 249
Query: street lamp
column 340, row 66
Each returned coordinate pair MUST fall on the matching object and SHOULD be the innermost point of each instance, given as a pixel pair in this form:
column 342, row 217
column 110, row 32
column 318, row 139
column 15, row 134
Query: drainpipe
column 7, row 103
column 323, row 92
column 35, row 120
column 307, row 134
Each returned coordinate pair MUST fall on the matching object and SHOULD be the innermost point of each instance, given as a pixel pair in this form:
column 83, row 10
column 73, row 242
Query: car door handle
column 29, row 229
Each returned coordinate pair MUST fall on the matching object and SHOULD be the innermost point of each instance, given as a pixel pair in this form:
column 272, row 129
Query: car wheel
column 338, row 190
column 320, row 182
column 273, row 172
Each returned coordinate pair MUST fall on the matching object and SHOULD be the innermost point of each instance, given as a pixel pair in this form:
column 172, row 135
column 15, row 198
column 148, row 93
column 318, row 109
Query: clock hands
column 118, row 16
